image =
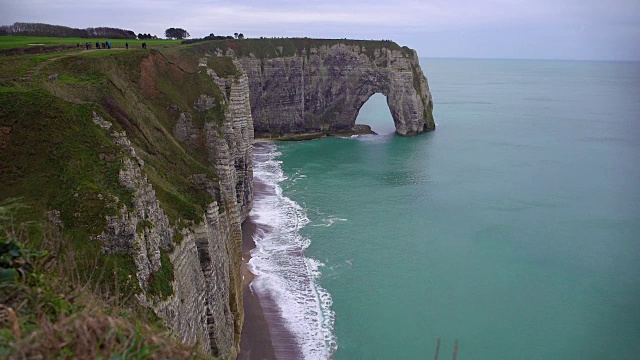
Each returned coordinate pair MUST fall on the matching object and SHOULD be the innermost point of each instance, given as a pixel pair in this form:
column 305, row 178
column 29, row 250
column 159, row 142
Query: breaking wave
column 282, row 271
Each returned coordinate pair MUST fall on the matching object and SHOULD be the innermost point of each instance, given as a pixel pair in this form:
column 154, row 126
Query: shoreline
column 264, row 334
column 358, row 129
column 255, row 341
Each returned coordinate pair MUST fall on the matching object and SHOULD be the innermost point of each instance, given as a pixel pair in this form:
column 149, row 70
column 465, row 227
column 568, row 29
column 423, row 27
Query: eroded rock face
column 204, row 103
column 206, row 305
column 230, row 154
column 323, row 89
column 184, row 129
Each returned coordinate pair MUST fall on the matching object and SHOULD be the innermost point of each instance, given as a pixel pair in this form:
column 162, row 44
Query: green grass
column 56, row 158
column 146, row 118
column 223, row 66
column 102, row 82
column 7, row 42
column 54, row 151
column 160, row 281
column 144, row 225
column 15, row 66
column 279, row 47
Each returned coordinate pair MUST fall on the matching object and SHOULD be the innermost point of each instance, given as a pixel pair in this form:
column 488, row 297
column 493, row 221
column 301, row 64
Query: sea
column 510, row 232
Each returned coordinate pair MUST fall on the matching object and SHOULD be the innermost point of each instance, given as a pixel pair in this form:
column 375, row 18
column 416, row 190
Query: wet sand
column 255, row 342
column 264, row 335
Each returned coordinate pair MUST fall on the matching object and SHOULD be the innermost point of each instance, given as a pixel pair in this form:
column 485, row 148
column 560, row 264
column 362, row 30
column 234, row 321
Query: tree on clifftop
column 176, row 33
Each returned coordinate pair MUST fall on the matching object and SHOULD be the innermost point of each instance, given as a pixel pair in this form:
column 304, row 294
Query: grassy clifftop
column 13, row 42
column 278, row 47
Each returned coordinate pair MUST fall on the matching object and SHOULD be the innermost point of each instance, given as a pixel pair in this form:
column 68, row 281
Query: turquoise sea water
column 514, row 228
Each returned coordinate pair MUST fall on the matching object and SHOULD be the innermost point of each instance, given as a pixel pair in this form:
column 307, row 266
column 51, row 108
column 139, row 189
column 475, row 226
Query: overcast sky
column 540, row 29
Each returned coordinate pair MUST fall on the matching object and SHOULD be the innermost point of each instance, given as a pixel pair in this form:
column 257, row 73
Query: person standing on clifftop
column 126, row 45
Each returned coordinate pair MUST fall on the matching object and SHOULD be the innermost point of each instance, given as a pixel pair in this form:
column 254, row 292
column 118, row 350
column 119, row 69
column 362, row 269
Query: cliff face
column 205, row 304
column 322, row 86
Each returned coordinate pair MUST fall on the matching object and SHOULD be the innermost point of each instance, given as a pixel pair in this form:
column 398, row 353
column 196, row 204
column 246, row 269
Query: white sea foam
column 282, row 271
column 297, row 176
column 349, row 262
column 328, row 221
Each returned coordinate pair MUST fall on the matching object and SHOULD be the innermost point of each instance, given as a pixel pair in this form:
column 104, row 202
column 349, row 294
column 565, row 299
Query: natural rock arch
column 323, row 88
column 376, row 115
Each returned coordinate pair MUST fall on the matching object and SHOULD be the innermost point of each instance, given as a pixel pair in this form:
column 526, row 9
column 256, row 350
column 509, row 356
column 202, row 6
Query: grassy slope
column 138, row 97
column 52, row 156
column 111, row 85
column 7, row 42
column 15, row 65
column 56, row 158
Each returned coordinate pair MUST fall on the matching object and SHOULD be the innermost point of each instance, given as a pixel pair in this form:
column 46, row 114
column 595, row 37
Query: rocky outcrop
column 230, row 148
column 322, row 88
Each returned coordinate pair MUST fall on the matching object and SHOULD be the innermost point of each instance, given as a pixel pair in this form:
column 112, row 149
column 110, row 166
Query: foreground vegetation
column 49, row 310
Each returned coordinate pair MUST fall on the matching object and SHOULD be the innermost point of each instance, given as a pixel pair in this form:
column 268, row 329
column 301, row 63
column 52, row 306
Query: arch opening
column 375, row 112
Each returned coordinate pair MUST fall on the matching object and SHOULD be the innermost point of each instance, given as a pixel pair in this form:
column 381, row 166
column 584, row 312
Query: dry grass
column 50, row 311
column 92, row 334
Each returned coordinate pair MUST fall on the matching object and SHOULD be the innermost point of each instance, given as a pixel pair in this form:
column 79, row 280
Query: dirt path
column 27, row 75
